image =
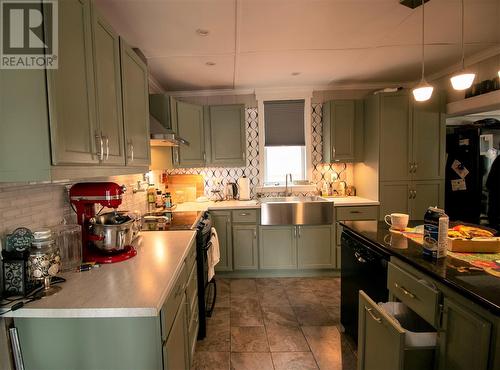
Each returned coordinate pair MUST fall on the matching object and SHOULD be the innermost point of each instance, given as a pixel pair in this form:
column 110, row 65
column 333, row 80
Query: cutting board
column 193, row 186
column 474, row 245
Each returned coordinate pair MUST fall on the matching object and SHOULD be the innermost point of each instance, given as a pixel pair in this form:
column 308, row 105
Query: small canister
column 15, row 273
column 44, row 260
column 69, row 242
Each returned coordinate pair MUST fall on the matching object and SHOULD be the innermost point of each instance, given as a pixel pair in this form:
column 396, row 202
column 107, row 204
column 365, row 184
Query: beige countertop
column 136, row 287
column 249, row 204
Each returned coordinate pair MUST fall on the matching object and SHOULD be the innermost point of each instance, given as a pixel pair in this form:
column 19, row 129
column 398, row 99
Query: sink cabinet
column 245, row 247
column 297, row 247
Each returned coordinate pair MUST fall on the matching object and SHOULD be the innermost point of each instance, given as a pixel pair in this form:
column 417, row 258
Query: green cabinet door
column 395, row 197
column 227, row 135
column 222, row 223
column 278, row 247
column 426, row 194
column 315, row 247
column 71, row 91
column 380, row 340
column 175, row 350
column 188, row 118
column 135, row 85
column 342, row 122
column 245, row 254
column 395, row 137
column 106, row 46
column 464, row 340
column 428, row 139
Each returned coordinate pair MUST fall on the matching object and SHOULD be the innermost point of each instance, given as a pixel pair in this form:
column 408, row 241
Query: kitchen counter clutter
column 137, row 287
column 475, row 284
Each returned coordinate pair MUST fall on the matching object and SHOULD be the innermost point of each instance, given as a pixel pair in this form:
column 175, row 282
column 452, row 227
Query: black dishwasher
column 364, row 267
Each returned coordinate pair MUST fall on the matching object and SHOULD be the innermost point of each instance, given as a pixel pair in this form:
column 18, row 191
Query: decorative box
column 15, row 273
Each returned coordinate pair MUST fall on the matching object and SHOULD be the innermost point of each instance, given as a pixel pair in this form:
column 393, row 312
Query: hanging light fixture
column 423, row 91
column 463, row 80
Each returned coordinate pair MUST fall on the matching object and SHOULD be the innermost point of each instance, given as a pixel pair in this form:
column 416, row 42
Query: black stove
column 170, row 221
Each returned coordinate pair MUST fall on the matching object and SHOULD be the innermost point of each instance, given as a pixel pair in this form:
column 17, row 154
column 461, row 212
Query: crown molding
column 155, row 85
column 469, row 61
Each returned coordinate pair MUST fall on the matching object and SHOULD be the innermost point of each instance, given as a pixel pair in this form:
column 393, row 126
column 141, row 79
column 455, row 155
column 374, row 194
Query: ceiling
column 261, row 43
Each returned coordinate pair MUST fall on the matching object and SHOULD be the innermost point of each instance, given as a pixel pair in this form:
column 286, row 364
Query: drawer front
column 245, row 216
column 415, row 293
column 356, row 213
column 192, row 289
column 172, row 303
column 191, row 257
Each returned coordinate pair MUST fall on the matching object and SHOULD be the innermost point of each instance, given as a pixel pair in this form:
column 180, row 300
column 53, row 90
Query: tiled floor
column 278, row 323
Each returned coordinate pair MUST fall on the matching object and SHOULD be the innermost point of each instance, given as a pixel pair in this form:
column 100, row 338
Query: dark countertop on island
column 479, row 286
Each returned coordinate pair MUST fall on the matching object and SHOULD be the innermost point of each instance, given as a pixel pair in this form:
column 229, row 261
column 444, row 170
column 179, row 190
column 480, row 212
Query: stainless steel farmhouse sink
column 311, row 210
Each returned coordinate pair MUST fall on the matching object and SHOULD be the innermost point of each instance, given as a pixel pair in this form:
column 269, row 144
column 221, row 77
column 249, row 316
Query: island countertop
column 133, row 288
column 479, row 286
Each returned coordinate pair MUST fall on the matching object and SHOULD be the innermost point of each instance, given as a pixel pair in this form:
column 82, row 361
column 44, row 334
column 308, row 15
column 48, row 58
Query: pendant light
column 423, row 91
column 463, row 80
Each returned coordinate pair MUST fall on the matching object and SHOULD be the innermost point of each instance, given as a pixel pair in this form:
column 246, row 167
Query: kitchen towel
column 213, row 253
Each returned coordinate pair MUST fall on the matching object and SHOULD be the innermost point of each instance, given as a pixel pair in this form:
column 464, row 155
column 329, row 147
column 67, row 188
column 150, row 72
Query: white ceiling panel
column 168, row 27
column 260, row 43
column 192, row 73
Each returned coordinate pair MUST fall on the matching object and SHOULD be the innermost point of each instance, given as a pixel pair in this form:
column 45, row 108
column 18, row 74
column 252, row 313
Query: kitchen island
column 117, row 316
column 462, row 305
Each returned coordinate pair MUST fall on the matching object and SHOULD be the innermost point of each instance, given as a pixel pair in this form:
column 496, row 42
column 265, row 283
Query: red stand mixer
column 84, row 197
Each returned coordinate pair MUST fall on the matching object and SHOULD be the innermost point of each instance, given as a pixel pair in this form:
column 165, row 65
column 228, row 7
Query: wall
column 213, row 176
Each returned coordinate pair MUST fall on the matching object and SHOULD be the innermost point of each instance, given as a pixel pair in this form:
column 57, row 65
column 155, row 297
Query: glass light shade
column 423, row 91
column 462, row 81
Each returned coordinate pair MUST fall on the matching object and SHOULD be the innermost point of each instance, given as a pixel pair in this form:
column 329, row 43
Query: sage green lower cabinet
column 315, row 247
column 175, row 350
column 278, row 248
column 245, row 249
column 222, row 223
column 90, row 343
column 464, row 341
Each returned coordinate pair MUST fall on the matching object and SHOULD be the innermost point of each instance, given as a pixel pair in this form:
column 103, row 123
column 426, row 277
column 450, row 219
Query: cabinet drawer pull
column 244, row 214
column 377, row 319
column 107, row 147
column 355, row 212
column 100, row 149
column 405, row 291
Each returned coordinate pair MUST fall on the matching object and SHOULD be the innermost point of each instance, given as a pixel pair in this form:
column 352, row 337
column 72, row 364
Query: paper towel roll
column 244, row 188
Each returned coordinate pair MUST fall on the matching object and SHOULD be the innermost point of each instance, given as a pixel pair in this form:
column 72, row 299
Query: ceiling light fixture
column 423, row 91
column 210, row 64
column 463, row 80
column 202, row 32
column 295, row 73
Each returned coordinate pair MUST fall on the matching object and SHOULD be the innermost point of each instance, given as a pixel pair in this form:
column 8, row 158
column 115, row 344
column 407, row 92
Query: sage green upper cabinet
column 342, row 130
column 106, row 44
column 278, row 247
column 227, row 135
column 71, row 91
column 395, row 137
column 222, row 223
column 188, row 118
column 315, row 247
column 245, row 243
column 135, row 82
column 428, row 139
column 464, row 341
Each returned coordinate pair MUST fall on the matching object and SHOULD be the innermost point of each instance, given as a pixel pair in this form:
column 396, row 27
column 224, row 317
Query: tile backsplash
column 213, row 176
column 40, row 205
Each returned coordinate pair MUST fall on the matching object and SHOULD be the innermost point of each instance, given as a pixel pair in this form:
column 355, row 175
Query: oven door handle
column 359, row 258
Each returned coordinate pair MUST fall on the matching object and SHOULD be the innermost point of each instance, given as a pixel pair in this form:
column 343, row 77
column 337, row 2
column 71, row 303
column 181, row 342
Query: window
column 285, row 148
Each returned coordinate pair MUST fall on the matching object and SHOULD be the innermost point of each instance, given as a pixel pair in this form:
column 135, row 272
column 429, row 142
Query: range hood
column 160, row 124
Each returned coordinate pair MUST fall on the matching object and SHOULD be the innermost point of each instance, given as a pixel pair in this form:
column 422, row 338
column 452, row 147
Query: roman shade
column 284, row 123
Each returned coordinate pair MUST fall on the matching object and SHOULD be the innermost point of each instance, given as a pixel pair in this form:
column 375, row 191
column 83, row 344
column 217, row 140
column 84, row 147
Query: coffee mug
column 397, row 221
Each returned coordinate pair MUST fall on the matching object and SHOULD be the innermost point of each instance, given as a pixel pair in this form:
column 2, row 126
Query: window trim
column 268, row 94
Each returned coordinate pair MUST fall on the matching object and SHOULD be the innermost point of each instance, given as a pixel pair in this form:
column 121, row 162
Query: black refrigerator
column 473, row 172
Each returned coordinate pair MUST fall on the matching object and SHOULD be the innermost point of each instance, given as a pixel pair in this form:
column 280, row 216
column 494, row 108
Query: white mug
column 397, row 221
